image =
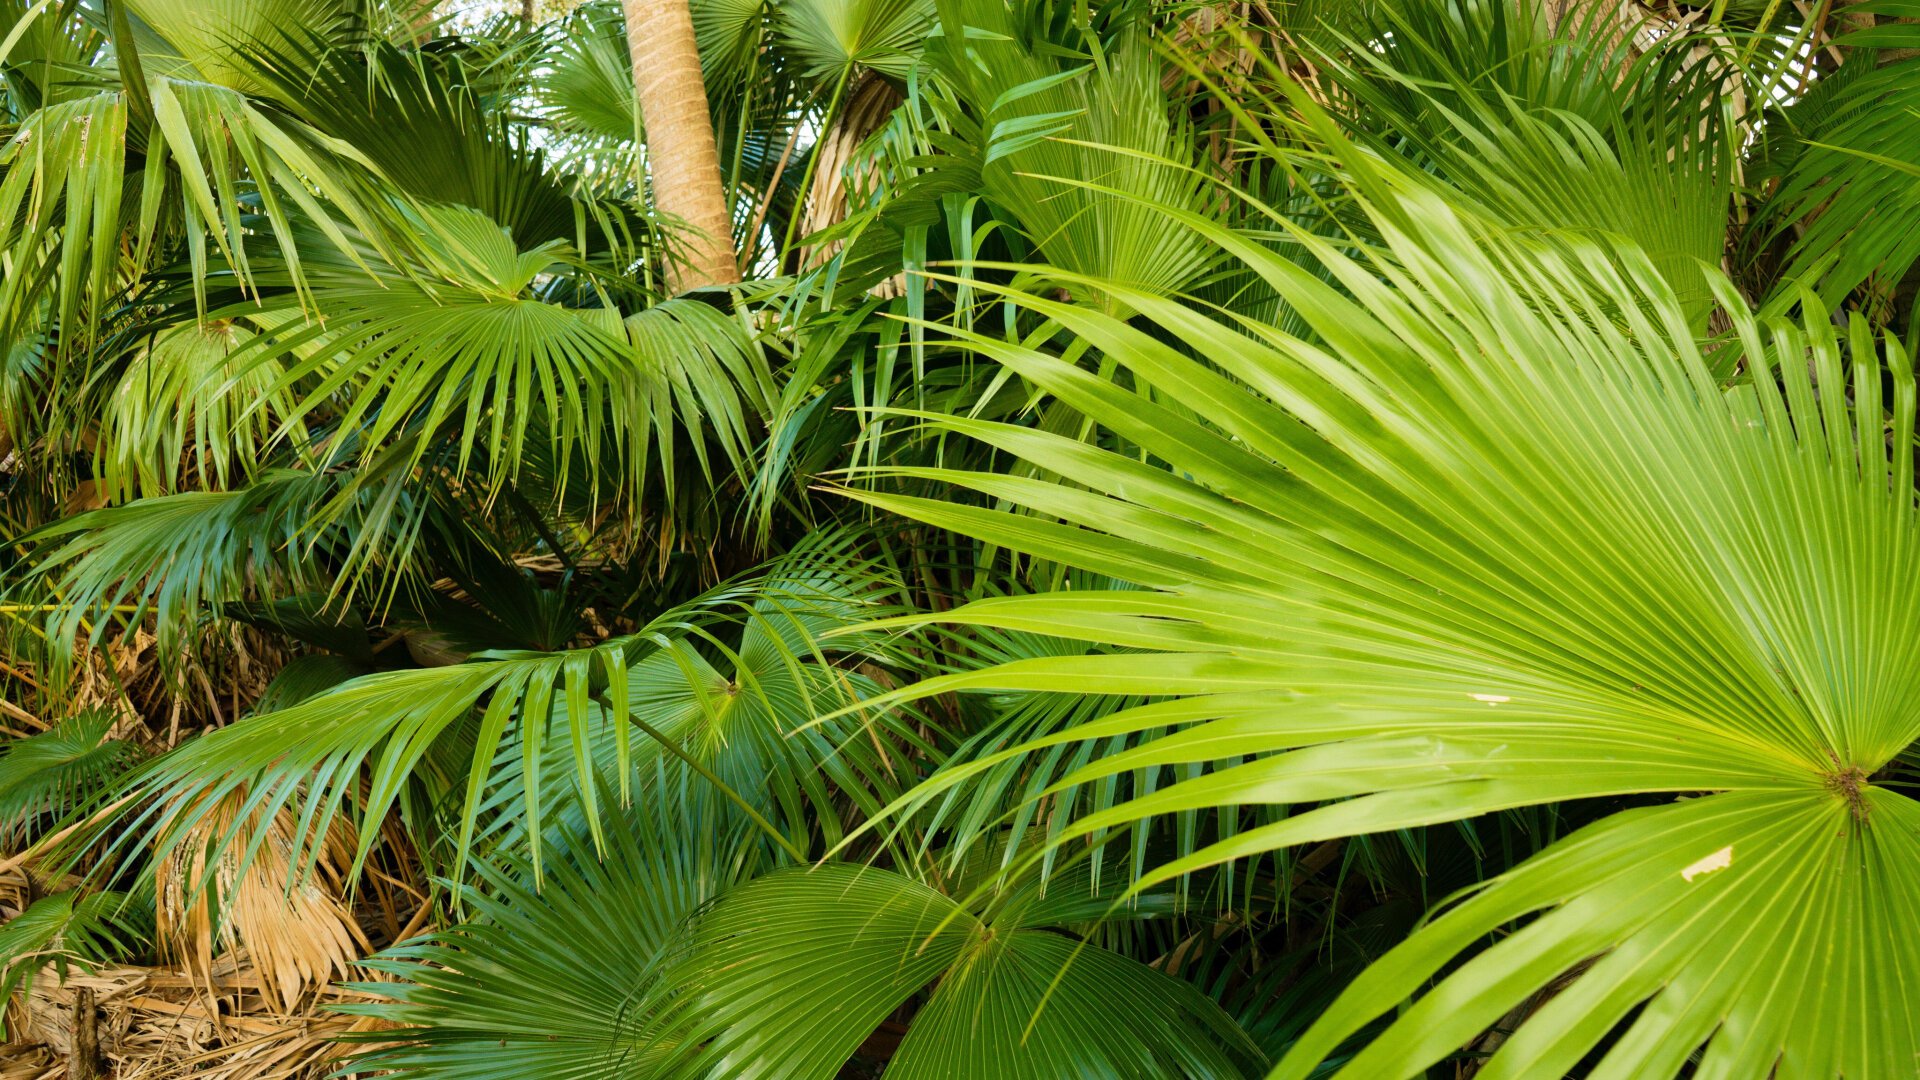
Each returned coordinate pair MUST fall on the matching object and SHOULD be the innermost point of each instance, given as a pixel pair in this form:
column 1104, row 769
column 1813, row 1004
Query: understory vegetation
column 1154, row 539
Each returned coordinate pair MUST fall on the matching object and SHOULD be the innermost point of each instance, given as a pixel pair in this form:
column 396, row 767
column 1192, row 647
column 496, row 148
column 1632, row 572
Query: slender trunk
column 679, row 139
column 422, row 20
column 869, row 104
column 83, row 1054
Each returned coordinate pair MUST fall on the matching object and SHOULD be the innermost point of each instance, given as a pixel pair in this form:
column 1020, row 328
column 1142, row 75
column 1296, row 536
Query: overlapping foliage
column 1363, row 540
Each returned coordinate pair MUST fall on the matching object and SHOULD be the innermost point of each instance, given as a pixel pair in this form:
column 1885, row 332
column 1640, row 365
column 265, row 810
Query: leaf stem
column 673, row 747
column 813, row 161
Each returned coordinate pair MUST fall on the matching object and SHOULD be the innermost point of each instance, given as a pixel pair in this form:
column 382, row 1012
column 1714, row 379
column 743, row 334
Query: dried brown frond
column 297, row 931
column 166, row 1024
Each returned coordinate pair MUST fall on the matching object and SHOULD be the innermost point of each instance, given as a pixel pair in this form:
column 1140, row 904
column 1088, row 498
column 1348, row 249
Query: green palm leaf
column 354, row 751
column 856, row 944
column 42, row 42
column 175, row 557
column 1074, row 139
column 748, row 713
column 1500, row 538
column 195, row 156
column 589, row 92
column 210, row 35
column 68, row 930
column 837, row 36
column 1848, row 180
column 592, row 937
column 464, row 347
column 419, row 127
column 46, row 776
column 1545, row 127
column 183, row 411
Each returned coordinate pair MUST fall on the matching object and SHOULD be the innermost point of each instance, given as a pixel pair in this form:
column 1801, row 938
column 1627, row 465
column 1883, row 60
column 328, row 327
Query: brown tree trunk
column 83, row 1055
column 679, row 141
column 870, row 103
column 422, row 20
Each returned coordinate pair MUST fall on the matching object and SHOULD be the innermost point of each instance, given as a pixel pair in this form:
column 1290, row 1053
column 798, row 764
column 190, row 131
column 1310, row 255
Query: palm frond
column 47, row 776
column 194, row 156
column 176, row 558
column 861, row 942
column 1559, row 128
column 477, row 358
column 211, row 38
column 594, row 933
column 352, row 752
column 839, row 36
column 422, row 129
column 181, row 411
column 1502, row 538
column 1075, row 140
column 1850, row 188
column 64, row 931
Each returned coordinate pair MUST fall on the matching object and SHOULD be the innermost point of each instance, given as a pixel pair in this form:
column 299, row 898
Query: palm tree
column 1362, row 540
column 685, row 166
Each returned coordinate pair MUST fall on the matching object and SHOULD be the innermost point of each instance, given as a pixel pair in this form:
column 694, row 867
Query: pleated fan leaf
column 1499, row 537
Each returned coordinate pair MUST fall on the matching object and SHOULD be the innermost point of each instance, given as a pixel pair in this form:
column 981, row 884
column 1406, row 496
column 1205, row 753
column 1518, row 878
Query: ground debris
column 153, row 1023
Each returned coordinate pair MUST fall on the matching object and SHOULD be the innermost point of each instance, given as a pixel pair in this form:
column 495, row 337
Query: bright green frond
column 1848, row 170
column 1760, row 931
column 64, row 931
column 213, row 35
column 593, row 937
column 1075, row 142
column 1500, row 537
column 182, row 411
column 174, row 557
column 838, row 36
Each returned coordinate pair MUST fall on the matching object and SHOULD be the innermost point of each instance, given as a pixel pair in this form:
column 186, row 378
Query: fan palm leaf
column 421, row 129
column 1849, row 183
column 837, row 36
column 1498, row 538
column 595, row 931
column 194, row 156
column 1552, row 128
column 209, row 37
column 746, row 715
column 1012, row 1000
column 45, row 776
column 181, row 411
column 66, row 930
column 174, row 557
column 471, row 352
column 1074, row 139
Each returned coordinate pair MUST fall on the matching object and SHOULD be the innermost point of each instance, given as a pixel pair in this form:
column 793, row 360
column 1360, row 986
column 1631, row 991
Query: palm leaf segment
column 179, row 148
column 787, row 975
column 1847, row 176
column 1012, row 1000
column 1498, row 538
column 1551, row 126
column 591, row 937
column 532, row 723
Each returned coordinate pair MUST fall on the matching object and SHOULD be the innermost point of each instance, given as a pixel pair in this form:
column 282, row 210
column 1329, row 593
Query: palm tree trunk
column 422, row 21
column 869, row 105
column 679, row 140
